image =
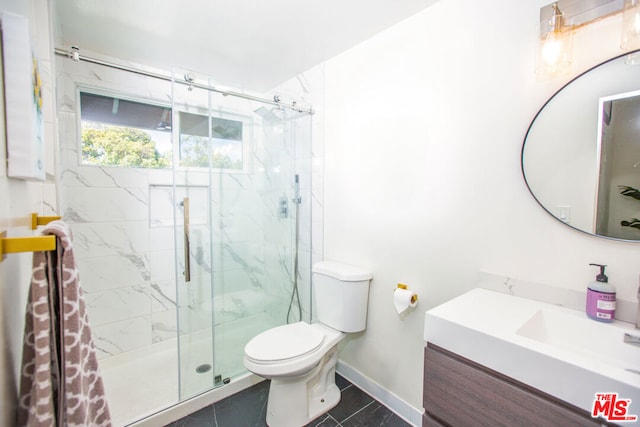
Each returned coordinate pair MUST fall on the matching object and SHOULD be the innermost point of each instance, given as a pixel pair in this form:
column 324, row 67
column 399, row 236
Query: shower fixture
column 297, row 199
column 295, row 294
column 283, row 207
column 269, row 114
column 164, row 123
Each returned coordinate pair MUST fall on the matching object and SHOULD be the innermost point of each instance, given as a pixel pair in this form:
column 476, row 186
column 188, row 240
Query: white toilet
column 300, row 358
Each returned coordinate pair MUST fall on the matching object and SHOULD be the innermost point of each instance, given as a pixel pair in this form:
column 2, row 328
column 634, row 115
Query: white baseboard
column 400, row 407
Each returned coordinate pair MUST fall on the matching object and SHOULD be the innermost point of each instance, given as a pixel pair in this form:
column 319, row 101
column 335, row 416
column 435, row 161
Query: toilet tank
column 341, row 295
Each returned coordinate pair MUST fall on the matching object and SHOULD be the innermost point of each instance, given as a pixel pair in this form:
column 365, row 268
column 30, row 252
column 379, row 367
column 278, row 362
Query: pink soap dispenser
column 601, row 298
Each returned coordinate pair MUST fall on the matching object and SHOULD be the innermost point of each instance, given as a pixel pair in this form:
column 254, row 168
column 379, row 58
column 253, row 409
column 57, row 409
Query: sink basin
column 573, row 332
column 557, row 350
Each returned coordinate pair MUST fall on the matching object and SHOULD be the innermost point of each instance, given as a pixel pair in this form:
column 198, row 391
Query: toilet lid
column 284, row 342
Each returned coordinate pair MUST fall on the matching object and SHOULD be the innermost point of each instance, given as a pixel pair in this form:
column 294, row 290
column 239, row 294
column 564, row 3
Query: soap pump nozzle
column 601, row 277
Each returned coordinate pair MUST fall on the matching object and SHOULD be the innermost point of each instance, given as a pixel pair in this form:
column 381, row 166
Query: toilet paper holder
column 414, row 298
column 404, row 299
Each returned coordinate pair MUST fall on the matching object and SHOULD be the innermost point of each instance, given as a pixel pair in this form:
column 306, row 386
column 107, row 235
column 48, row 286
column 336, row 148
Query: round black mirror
column 581, row 153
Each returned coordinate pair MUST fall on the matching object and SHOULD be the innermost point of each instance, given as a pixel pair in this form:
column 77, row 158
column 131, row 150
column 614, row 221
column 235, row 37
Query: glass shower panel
column 236, row 160
column 254, row 231
column 192, row 230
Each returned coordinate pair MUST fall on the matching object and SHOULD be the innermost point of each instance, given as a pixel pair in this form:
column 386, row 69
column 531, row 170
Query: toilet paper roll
column 403, row 299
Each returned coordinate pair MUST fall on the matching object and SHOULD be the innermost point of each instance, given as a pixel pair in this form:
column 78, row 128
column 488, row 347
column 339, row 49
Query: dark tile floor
column 248, row 409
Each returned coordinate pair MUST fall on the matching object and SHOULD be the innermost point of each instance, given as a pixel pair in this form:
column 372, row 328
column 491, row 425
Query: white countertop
column 557, row 350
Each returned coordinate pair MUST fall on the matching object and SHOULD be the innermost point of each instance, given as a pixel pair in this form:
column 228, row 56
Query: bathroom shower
column 232, row 158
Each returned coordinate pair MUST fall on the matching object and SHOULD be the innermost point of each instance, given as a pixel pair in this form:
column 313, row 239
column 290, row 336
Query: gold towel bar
column 11, row 245
column 41, row 220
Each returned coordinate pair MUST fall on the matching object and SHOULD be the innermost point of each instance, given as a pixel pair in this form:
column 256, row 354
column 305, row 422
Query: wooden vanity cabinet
column 458, row 392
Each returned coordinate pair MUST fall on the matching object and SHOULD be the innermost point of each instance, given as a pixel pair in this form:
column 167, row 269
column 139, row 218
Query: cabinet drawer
column 459, row 392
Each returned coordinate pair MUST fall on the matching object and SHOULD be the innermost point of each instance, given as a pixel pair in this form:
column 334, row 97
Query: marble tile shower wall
column 122, row 221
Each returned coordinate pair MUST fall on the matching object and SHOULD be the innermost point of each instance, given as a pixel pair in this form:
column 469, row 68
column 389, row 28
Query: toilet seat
column 293, row 349
column 284, row 343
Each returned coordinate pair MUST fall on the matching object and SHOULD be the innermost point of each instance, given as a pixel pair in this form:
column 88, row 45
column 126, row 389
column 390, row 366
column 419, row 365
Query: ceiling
column 248, row 44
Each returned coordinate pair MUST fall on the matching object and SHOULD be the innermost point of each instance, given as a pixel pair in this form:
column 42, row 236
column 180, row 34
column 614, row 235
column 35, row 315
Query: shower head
column 165, row 121
column 269, row 114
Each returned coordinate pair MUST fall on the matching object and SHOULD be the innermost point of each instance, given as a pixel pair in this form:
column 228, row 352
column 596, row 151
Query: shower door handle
column 187, row 249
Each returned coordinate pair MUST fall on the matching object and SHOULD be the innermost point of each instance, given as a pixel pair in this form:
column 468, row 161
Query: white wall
column 18, row 200
column 424, row 126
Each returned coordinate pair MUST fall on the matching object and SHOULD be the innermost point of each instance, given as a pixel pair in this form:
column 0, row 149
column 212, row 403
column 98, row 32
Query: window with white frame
column 121, row 132
column 125, row 133
column 207, row 141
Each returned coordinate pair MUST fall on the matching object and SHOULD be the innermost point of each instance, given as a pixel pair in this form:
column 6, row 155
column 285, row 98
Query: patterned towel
column 60, row 383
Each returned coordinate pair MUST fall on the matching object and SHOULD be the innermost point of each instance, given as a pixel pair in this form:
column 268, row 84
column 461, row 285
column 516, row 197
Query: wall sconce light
column 555, row 45
column 630, row 25
column 560, row 19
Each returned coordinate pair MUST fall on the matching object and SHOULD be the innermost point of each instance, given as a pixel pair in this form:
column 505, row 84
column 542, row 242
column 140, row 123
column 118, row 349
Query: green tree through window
column 118, row 146
column 207, row 141
column 225, row 154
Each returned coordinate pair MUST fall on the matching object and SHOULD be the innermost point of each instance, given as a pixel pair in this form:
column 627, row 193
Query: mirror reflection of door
column 567, row 139
column 618, row 196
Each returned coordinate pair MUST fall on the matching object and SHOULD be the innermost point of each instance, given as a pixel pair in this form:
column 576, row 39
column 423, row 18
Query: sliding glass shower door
column 236, row 214
column 184, row 207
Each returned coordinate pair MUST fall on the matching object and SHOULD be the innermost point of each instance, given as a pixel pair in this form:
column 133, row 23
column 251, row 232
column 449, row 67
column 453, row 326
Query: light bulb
column 553, row 56
column 554, row 53
column 631, row 25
